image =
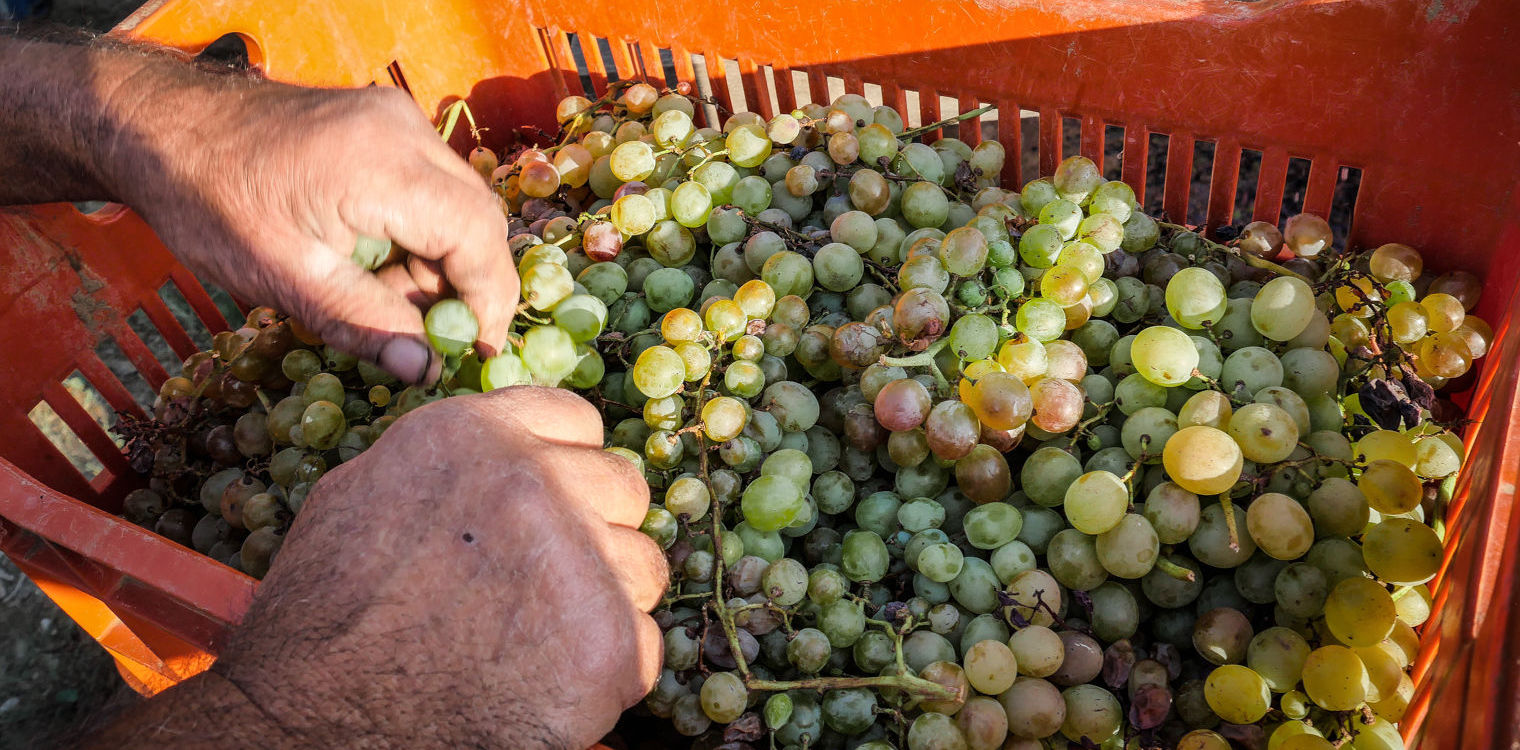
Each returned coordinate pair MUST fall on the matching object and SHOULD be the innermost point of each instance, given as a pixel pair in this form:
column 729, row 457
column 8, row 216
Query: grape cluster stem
column 1247, row 258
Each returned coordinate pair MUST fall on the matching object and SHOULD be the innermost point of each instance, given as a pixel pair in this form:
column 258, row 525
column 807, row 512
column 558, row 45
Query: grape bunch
column 939, row 464
column 236, row 441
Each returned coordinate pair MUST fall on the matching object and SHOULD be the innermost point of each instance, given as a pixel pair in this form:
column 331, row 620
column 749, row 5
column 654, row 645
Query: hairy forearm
column 207, row 712
column 92, row 121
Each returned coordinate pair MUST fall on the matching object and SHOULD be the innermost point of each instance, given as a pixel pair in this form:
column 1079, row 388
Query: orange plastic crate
column 1417, row 98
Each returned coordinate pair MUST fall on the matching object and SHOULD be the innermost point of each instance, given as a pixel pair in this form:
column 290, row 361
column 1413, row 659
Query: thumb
column 357, row 313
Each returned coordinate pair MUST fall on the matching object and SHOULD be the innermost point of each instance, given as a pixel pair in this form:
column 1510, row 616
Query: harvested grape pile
column 936, row 464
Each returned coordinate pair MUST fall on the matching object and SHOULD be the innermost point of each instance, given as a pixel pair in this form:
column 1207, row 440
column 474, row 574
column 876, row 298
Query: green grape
column 691, row 204
column 658, row 372
column 842, row 621
column 1265, row 433
column 1096, row 502
column 976, row 587
column 1041, row 319
column 549, row 353
column 992, row 525
column 1116, row 613
column 1041, row 245
column 974, row 337
column 924, row 204
column 1129, row 549
column 1277, row 655
column 1164, row 356
column 1064, row 215
column 919, row 514
column 940, row 562
column 724, row 697
column 1047, row 474
column 1173, row 512
column 1073, row 559
column 1135, row 393
column 753, row 195
column 606, row 281
column 1283, row 308
column 1250, row 369
column 451, row 327
column 1092, row 713
column 582, row 316
column 837, row 267
column 788, row 273
column 666, row 289
column 1213, row 544
column 1146, row 432
column 1195, row 298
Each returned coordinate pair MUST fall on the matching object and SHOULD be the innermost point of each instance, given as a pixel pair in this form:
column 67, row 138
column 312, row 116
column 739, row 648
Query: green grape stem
column 1083, row 426
column 914, row 133
column 717, row 603
column 1174, row 570
column 1229, row 522
column 924, row 358
column 1247, row 258
column 915, row 685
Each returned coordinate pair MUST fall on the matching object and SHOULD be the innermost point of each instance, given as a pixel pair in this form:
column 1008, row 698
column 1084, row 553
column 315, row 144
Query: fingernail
column 408, row 359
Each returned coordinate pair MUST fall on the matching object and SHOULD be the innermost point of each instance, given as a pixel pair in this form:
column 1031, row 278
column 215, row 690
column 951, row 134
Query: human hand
column 267, row 188
column 476, row 578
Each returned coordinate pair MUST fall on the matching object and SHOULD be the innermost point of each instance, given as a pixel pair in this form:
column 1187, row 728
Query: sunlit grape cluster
column 942, row 465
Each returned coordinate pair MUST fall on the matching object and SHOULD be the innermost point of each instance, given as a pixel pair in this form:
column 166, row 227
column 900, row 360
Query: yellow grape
column 1307, row 235
column 1383, row 672
column 1280, row 526
column 1165, row 356
column 1024, row 357
column 1402, row 551
column 1064, row 284
column 756, row 298
column 1203, row 739
column 1335, row 679
column 1389, row 444
column 1283, row 308
column 1445, row 312
column 1209, row 407
column 1083, row 257
column 1390, row 487
column 1266, row 433
column 1396, row 262
column 1407, row 322
column 1202, row 460
column 1292, row 730
column 681, row 325
column 1237, row 694
column 1445, row 354
column 1360, row 612
column 1361, row 305
column 1392, row 707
